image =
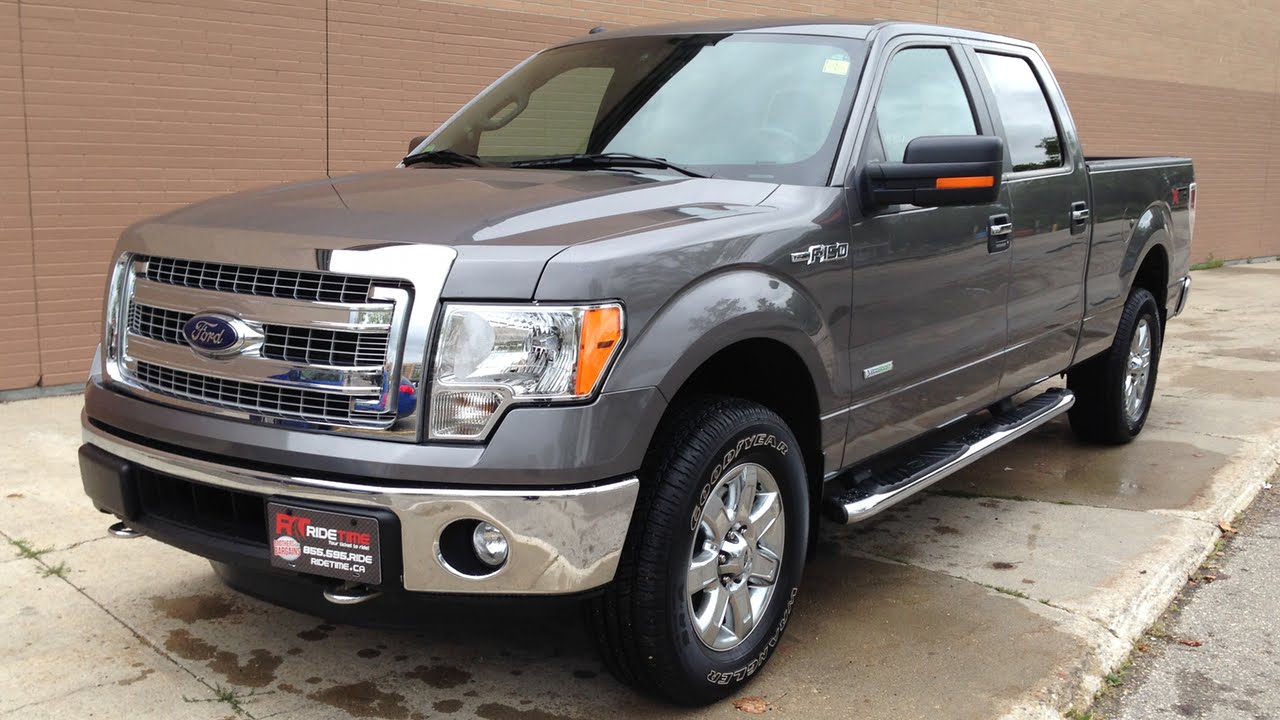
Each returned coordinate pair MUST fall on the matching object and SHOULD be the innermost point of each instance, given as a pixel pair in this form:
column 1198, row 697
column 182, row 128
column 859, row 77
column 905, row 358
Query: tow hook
column 350, row 594
column 121, row 530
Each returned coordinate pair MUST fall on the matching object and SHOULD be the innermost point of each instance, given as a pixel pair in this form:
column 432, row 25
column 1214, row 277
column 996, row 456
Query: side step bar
column 879, row 491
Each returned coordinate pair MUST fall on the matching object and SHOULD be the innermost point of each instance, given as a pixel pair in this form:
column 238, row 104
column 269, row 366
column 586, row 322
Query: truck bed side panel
column 1138, row 204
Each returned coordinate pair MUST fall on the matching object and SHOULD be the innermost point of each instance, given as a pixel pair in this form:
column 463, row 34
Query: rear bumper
column 1184, row 291
column 562, row 541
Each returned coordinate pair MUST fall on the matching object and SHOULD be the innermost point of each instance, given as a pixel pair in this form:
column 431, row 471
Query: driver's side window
column 921, row 95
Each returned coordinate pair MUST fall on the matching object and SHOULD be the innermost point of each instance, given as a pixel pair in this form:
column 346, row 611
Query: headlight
column 491, row 356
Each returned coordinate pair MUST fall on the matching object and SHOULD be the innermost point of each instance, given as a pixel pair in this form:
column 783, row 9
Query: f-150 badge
column 821, row 253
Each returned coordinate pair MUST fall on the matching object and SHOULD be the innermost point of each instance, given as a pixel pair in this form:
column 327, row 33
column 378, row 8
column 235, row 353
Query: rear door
column 928, row 285
column 1048, row 187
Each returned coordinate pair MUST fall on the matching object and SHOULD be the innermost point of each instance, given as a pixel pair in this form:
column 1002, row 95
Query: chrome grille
column 319, row 350
column 267, row 282
column 324, row 347
column 310, row 346
column 158, row 323
column 270, row 400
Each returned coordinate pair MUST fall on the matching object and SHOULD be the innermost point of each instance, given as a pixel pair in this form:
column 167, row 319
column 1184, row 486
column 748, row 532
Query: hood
column 505, row 224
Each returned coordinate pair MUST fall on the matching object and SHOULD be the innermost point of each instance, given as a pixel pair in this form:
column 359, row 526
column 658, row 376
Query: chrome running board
column 878, row 491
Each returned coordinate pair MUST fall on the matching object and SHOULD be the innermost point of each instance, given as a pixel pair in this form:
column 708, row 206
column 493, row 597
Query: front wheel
column 1114, row 390
column 714, row 555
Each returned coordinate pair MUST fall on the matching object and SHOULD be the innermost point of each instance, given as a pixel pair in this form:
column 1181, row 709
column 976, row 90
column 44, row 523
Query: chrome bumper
column 561, row 541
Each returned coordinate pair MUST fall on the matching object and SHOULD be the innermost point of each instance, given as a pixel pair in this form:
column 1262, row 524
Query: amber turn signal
column 601, row 334
column 957, row 183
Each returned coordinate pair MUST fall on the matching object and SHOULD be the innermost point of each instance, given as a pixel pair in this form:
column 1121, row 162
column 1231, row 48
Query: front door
column 929, row 286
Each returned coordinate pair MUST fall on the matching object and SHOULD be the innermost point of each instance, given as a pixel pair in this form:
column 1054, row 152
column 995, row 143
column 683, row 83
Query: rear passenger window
column 1030, row 132
column 921, row 96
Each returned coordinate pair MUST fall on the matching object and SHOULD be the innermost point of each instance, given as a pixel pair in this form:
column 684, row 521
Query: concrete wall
column 113, row 110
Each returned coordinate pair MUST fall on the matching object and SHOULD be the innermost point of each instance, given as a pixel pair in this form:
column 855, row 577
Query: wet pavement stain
column 369, row 653
column 258, row 671
column 1002, row 565
column 190, row 608
column 317, row 633
column 363, row 699
column 139, row 678
column 946, row 530
column 286, row 687
column 498, row 711
column 447, row 706
column 1148, row 474
column 584, row 674
column 440, row 676
column 1244, row 384
column 188, row 646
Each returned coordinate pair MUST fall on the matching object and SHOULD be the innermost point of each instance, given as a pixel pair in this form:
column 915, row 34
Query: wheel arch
column 746, row 333
column 1147, row 258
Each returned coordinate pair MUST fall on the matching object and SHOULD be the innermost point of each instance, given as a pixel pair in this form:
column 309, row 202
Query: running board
column 877, row 492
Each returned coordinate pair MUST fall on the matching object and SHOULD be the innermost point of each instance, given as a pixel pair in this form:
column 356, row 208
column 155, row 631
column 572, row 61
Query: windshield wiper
column 604, row 160
column 444, row 157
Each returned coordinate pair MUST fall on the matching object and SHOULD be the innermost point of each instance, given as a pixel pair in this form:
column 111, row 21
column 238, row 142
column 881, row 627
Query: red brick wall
column 122, row 109
column 19, row 345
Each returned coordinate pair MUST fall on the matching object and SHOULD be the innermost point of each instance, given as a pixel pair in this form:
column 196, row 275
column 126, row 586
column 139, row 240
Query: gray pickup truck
column 628, row 324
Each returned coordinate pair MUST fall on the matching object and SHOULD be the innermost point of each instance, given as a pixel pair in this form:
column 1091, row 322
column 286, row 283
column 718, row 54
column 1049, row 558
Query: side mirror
column 938, row 171
column 416, row 142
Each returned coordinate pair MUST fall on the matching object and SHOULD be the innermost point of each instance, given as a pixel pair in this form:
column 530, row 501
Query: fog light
column 490, row 544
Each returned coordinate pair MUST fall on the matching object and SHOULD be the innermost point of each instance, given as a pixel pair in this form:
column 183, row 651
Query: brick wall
column 114, row 110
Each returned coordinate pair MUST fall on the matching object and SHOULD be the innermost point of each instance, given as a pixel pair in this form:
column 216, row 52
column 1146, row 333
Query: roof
column 823, row 26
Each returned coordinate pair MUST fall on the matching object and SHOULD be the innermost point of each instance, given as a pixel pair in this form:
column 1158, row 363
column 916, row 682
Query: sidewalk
column 1010, row 590
column 1213, row 655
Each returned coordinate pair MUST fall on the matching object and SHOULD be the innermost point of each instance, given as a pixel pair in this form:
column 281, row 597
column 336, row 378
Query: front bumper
column 562, row 541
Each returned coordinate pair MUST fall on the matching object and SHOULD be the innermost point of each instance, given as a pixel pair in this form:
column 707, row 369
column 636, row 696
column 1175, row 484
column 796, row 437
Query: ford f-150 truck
column 629, row 324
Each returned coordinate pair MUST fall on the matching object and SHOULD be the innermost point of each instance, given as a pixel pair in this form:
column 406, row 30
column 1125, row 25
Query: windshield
column 747, row 107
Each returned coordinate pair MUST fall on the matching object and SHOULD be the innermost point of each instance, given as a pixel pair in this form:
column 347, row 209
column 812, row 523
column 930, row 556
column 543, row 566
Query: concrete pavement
column 1009, row 591
column 1214, row 654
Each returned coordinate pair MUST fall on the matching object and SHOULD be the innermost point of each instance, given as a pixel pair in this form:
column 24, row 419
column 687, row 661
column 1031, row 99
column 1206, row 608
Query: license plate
column 319, row 542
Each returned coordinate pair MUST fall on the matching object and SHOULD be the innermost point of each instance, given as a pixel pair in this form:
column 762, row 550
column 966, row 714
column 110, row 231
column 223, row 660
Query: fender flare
column 1151, row 230
column 716, row 311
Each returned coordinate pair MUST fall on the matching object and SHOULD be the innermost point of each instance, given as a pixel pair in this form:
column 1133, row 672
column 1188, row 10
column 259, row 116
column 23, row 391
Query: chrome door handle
column 1000, row 229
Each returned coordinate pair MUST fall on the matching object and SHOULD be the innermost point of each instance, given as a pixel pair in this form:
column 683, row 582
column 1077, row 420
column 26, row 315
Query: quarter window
column 921, row 96
column 1030, row 132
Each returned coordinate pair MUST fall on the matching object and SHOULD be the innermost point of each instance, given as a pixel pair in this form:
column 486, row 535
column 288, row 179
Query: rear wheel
column 713, row 557
column 1114, row 390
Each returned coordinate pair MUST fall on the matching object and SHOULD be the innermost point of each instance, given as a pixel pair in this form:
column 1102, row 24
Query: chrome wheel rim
column 737, row 551
column 1138, row 372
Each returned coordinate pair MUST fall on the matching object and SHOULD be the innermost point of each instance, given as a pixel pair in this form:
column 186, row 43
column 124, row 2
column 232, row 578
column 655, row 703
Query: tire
column 1104, row 411
column 652, row 633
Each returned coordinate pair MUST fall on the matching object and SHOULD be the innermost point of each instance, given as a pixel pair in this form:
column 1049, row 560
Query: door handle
column 999, row 228
column 1079, row 217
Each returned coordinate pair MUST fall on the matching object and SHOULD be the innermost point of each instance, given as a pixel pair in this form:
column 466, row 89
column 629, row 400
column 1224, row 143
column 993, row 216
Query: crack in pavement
column 137, row 635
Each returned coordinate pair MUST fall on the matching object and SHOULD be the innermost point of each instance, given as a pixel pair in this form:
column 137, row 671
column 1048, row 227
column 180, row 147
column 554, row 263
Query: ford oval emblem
column 212, row 334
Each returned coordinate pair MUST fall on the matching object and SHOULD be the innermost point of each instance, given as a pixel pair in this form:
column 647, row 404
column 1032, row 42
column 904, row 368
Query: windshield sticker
column 836, row 65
